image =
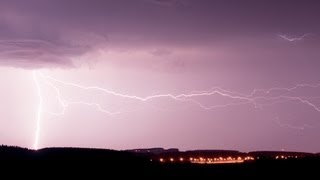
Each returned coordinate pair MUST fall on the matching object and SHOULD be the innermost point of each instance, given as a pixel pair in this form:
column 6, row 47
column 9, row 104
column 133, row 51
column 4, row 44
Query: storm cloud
column 46, row 33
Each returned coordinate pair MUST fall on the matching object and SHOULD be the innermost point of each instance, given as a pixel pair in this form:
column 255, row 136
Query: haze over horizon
column 187, row 74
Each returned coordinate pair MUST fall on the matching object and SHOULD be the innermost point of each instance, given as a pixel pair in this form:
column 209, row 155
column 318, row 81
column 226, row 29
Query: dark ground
column 90, row 163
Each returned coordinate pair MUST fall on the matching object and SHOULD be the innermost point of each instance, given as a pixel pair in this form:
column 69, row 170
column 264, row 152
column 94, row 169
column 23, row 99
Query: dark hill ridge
column 85, row 162
column 68, row 154
column 86, row 154
column 74, row 162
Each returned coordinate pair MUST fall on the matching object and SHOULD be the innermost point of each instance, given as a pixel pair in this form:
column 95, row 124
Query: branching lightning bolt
column 65, row 104
column 292, row 39
column 277, row 120
column 266, row 99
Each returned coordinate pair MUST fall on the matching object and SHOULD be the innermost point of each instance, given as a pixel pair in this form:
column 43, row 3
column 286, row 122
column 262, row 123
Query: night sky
column 190, row 74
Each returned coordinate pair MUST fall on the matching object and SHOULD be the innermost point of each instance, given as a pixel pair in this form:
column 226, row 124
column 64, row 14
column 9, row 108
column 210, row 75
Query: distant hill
column 103, row 163
column 9, row 153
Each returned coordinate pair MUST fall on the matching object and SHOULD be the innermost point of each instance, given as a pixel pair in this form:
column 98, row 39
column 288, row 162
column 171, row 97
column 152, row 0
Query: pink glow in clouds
column 149, row 48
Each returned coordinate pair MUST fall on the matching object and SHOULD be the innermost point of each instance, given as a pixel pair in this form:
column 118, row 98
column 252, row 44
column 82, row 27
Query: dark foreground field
column 76, row 162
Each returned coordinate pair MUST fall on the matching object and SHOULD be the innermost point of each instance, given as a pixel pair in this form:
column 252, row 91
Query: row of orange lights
column 286, row 157
column 220, row 159
column 210, row 160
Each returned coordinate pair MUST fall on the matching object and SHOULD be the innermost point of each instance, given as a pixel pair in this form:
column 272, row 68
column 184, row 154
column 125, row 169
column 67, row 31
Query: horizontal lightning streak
column 175, row 97
column 250, row 98
column 266, row 99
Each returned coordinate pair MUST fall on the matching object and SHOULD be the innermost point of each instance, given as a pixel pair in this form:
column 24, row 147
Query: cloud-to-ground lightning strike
column 39, row 110
column 266, row 99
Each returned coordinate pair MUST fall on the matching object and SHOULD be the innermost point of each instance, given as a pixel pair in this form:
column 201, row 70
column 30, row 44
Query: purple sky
column 172, row 73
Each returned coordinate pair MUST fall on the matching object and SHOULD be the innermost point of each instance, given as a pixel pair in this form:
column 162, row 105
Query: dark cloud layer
column 30, row 53
column 50, row 33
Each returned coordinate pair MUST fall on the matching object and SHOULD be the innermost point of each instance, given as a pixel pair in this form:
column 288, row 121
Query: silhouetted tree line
column 102, row 163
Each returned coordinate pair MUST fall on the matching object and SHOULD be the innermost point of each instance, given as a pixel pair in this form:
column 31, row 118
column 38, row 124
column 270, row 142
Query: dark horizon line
column 153, row 148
